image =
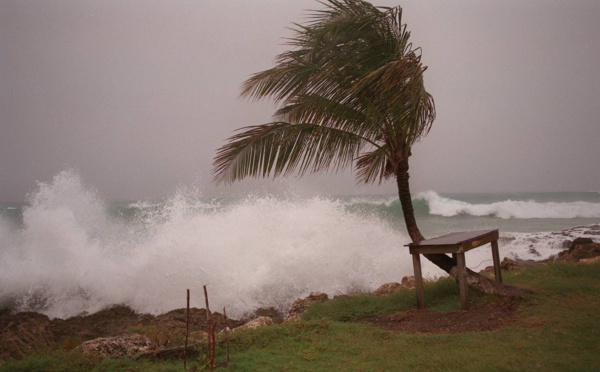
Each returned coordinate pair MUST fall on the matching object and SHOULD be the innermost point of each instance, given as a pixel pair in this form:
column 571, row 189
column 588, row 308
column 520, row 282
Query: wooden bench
column 457, row 244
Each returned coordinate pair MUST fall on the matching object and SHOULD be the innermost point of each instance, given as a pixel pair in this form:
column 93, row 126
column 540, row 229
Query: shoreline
column 29, row 330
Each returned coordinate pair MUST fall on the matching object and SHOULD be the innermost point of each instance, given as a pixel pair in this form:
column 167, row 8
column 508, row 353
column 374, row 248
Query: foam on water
column 70, row 256
column 526, row 246
column 508, row 209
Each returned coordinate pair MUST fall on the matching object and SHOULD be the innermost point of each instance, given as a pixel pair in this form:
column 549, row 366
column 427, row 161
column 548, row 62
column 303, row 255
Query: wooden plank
column 456, row 238
column 462, row 280
column 496, row 257
column 480, row 240
column 418, row 281
column 435, row 249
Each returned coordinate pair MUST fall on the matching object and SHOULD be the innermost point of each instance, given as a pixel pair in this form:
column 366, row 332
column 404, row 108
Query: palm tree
column 352, row 94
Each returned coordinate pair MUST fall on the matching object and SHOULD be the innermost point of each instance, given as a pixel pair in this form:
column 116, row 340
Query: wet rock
column 300, row 305
column 119, row 346
column 581, row 248
column 580, row 241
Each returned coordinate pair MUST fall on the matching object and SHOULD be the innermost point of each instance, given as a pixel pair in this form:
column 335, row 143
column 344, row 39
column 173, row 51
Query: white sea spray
column 71, row 256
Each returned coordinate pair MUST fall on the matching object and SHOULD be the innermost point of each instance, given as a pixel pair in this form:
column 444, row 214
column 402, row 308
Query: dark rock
column 580, row 241
column 508, row 264
column 581, row 248
column 534, row 252
column 113, row 321
column 26, row 332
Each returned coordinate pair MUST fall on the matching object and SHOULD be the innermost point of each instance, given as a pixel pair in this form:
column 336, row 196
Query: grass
column 63, row 361
column 441, row 296
column 556, row 330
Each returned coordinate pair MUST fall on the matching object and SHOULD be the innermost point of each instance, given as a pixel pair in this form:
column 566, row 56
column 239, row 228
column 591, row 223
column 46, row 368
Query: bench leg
column 462, row 280
column 418, row 281
column 496, row 257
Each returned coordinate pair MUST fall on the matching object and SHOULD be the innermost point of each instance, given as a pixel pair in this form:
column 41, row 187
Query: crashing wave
column 507, row 209
column 70, row 256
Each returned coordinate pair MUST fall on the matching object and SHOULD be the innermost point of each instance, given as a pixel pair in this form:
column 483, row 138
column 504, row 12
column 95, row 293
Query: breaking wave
column 508, row 209
column 73, row 255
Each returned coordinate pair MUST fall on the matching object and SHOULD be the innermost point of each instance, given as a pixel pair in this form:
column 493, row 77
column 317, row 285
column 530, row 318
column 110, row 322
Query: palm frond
column 349, row 114
column 373, row 166
column 280, row 148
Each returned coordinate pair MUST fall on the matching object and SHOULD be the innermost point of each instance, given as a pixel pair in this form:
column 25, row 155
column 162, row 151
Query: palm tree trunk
column 443, row 261
column 406, row 202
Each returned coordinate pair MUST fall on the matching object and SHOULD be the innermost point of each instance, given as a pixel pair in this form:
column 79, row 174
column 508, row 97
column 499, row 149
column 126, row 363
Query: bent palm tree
column 351, row 92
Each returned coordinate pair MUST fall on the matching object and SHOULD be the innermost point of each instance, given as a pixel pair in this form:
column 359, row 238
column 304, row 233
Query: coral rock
column 119, row 346
column 255, row 323
column 388, row 288
column 590, row 260
column 408, row 281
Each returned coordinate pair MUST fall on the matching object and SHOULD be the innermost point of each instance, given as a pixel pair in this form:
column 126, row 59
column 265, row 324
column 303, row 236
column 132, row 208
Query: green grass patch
column 555, row 331
column 442, row 296
column 73, row 361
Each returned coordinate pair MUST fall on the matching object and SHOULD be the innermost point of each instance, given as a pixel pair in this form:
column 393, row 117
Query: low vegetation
column 553, row 329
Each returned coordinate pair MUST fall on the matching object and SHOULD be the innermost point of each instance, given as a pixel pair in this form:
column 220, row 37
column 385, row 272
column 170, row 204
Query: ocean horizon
column 66, row 251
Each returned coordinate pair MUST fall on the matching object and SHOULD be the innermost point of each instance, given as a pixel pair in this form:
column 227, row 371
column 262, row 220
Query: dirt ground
column 479, row 317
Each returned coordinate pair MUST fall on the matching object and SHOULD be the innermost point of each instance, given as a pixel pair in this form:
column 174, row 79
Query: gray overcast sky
column 137, row 95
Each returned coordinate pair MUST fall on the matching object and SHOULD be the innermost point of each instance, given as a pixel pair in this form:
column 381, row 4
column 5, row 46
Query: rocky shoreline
column 121, row 332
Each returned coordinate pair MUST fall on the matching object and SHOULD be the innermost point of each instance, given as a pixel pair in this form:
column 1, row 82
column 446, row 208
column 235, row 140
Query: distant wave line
column 508, row 209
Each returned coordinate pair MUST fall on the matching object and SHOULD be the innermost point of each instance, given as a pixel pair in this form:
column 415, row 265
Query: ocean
column 66, row 251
